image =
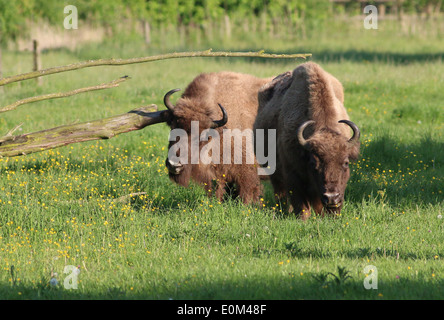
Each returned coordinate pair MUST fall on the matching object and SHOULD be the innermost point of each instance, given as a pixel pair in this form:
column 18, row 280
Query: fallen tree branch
column 11, row 146
column 8, row 136
column 102, row 86
column 119, row 62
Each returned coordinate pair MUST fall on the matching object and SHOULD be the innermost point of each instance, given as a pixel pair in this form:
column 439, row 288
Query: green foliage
column 337, row 280
column 14, row 15
column 342, row 276
column 13, row 19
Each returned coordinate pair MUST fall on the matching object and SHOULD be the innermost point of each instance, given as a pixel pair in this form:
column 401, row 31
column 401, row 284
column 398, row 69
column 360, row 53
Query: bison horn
column 223, row 121
column 166, row 99
column 356, row 132
column 301, row 129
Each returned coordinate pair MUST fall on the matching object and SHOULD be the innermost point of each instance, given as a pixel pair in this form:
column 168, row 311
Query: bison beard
column 313, row 145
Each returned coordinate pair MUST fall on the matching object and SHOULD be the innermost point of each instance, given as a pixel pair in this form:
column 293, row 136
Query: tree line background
column 16, row 16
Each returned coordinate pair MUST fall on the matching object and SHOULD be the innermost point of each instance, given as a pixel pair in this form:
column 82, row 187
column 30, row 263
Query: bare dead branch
column 119, row 62
column 102, row 86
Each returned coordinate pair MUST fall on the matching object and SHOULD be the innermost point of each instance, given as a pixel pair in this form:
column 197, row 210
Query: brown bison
column 314, row 146
column 218, row 102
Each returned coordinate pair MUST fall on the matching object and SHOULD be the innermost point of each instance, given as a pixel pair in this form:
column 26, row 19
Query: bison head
column 328, row 154
column 181, row 116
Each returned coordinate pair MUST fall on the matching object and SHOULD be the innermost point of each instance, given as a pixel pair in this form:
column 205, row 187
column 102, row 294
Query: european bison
column 218, row 101
column 314, row 146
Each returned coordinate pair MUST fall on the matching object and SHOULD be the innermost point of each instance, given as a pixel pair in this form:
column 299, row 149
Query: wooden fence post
column 146, row 31
column 37, row 64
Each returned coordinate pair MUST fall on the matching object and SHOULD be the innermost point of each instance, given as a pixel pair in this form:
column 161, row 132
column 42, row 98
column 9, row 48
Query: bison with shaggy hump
column 215, row 101
column 314, row 142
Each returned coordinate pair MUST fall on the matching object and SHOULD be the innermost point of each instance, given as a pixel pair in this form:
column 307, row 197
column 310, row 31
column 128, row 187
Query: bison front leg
column 280, row 195
column 215, row 188
column 249, row 187
column 300, row 203
column 318, row 207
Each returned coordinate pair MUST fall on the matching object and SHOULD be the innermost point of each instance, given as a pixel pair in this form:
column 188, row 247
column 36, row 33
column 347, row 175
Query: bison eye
column 345, row 164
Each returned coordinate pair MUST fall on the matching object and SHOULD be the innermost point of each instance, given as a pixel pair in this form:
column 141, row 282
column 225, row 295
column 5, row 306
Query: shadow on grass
column 255, row 288
column 399, row 172
column 381, row 57
column 352, row 55
column 293, row 250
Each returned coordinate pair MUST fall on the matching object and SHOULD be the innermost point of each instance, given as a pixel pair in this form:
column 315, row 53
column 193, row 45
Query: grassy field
column 59, row 207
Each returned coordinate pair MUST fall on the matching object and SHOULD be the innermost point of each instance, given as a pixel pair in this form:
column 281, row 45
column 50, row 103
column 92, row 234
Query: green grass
column 57, row 206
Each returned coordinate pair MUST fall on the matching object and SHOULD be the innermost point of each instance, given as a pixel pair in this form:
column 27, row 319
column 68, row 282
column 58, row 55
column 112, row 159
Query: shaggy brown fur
column 238, row 94
column 308, row 174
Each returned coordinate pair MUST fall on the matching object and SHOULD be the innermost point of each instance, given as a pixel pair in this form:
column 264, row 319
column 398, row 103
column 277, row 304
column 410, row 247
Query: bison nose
column 330, row 199
column 173, row 167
